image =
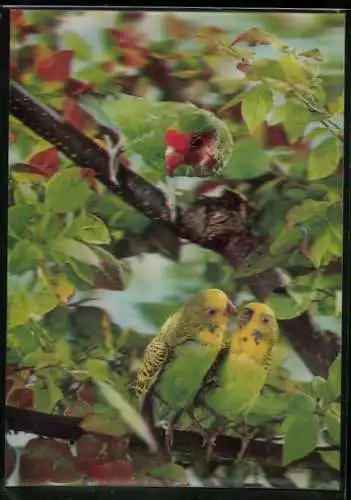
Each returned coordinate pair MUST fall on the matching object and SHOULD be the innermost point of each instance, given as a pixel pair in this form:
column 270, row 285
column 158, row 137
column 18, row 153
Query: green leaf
column 324, row 159
column 264, row 69
column 287, row 239
column 322, row 249
column 76, row 250
column 294, row 70
column 118, row 272
column 81, row 49
column 43, row 297
column 320, row 389
column 54, row 391
column 18, row 308
column 170, row 472
column 296, row 117
column 107, row 423
column 314, row 54
column 256, row 103
column 302, row 404
column 97, row 369
column 67, row 191
column 92, row 230
column 248, row 161
column 25, row 195
column 233, row 102
column 301, row 438
column 334, row 377
column 284, row 306
column 25, row 255
column 130, row 416
column 19, row 219
column 332, row 458
column 306, row 210
column 332, row 422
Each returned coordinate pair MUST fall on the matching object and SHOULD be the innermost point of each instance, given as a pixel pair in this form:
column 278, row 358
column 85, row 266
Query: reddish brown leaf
column 177, row 27
column 90, row 176
column 45, row 162
column 17, row 19
column 76, row 88
column 116, row 472
column 134, row 54
column 89, row 446
column 86, row 393
column 275, row 136
column 77, row 116
column 116, row 447
column 107, row 66
column 35, row 471
column 21, row 398
column 244, row 65
column 56, row 67
column 10, row 460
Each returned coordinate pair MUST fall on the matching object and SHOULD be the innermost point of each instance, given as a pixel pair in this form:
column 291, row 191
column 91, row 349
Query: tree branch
column 187, row 446
column 213, row 223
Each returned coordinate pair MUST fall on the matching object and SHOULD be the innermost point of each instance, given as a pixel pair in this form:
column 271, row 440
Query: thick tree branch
column 215, row 224
column 187, row 446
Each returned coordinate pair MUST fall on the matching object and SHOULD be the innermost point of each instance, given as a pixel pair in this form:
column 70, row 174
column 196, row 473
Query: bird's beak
column 231, row 310
column 172, row 160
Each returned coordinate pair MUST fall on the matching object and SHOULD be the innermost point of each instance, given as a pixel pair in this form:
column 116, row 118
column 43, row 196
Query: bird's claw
column 113, row 150
column 170, row 196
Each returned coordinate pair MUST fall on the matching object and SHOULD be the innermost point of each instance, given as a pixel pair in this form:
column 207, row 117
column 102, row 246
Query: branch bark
column 215, row 224
column 187, row 446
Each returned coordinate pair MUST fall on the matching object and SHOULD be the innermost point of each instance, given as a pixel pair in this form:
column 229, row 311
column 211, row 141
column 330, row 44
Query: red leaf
column 10, row 460
column 76, row 116
column 56, row 67
column 21, row 398
column 114, row 472
column 88, row 446
column 116, row 447
column 275, row 136
column 35, row 471
column 45, row 162
column 86, row 393
column 76, row 88
column 17, row 18
column 133, row 52
column 107, row 66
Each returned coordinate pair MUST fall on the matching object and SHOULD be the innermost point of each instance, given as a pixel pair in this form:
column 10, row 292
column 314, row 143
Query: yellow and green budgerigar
column 242, row 373
column 179, row 356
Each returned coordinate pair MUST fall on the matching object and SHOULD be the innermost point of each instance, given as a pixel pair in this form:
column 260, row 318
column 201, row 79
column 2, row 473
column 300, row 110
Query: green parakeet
column 178, row 357
column 166, row 135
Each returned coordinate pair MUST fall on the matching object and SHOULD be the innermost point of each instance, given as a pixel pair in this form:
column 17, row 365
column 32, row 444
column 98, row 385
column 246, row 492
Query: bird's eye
column 211, row 312
column 265, row 319
column 196, row 141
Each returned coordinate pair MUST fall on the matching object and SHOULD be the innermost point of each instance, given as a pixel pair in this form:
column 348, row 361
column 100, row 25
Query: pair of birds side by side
column 194, row 365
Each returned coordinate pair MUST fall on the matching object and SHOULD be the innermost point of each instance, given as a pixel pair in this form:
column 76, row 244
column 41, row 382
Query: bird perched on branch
column 167, row 135
column 179, row 356
column 242, row 373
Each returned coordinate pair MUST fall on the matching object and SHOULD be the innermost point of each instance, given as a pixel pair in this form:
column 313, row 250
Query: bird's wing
column 155, row 357
column 183, row 376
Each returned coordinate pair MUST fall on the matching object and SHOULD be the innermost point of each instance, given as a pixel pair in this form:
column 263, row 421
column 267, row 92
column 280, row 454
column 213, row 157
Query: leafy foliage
column 67, row 234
